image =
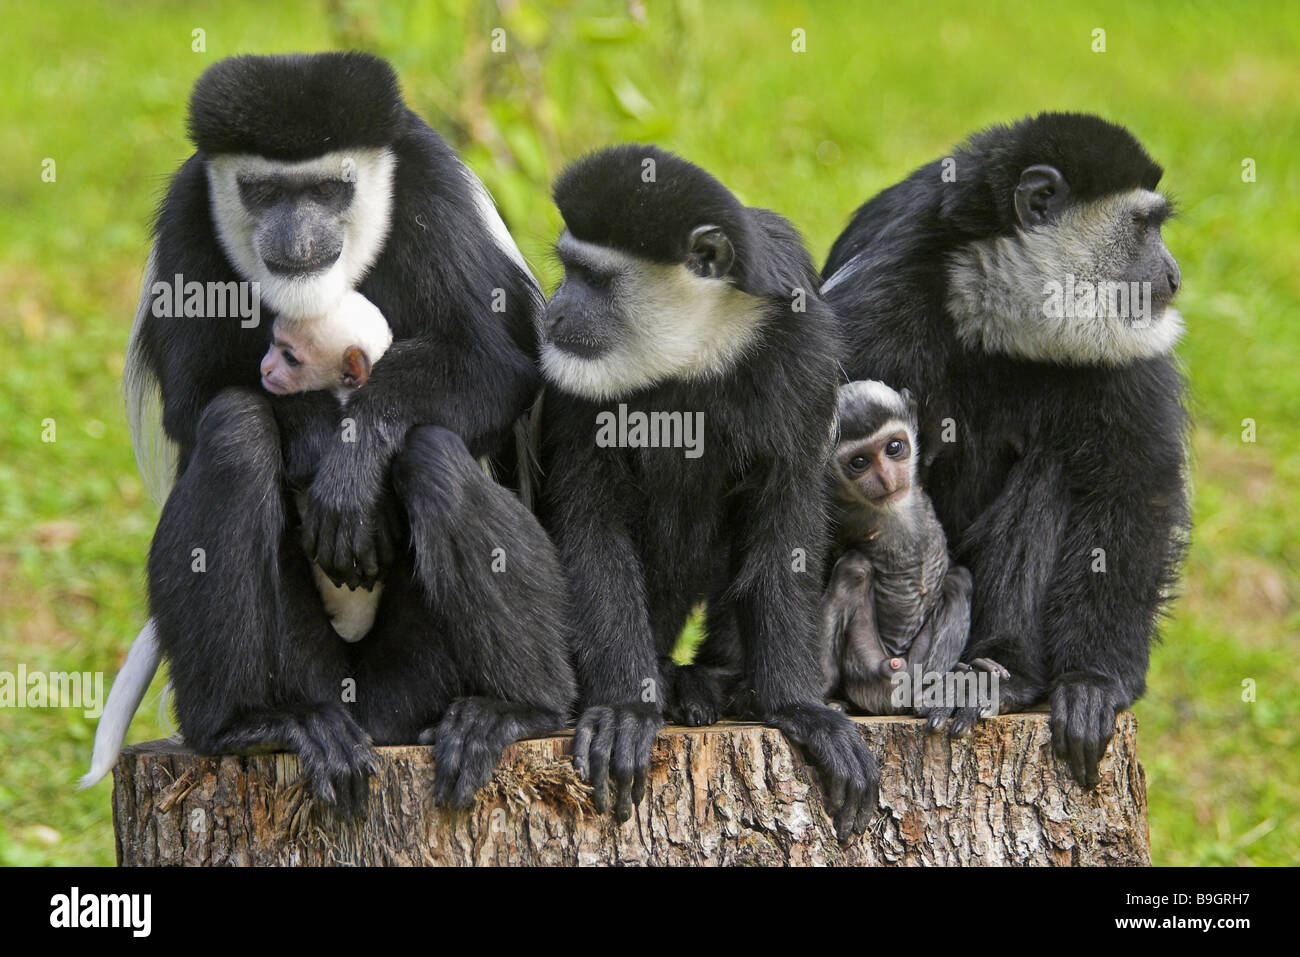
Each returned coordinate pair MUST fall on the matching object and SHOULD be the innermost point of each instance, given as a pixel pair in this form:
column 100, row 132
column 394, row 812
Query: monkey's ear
column 1041, row 195
column 356, row 367
column 711, row 254
column 909, row 400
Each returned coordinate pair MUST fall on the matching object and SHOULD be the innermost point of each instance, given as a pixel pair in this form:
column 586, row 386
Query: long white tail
column 123, row 700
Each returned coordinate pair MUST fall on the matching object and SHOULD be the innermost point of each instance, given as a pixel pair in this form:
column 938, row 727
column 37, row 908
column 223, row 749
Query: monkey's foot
column 336, row 754
column 694, row 697
column 960, row 719
column 468, row 741
column 615, row 740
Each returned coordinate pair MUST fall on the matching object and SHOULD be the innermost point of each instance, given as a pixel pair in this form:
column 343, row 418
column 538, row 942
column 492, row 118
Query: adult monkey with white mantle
column 314, row 179
column 1054, row 438
column 677, row 298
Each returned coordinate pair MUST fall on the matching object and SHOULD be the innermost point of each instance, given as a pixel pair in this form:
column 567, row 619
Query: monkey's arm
column 475, row 388
column 589, row 511
column 776, row 609
column 1118, row 559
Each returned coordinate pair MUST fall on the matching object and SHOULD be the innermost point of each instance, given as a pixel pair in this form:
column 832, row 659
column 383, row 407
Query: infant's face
column 288, row 367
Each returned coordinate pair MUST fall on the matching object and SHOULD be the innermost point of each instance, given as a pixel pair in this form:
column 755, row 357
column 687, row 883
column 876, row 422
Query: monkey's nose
column 1173, row 276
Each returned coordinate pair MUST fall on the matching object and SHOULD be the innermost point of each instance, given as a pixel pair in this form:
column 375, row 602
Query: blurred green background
column 101, row 89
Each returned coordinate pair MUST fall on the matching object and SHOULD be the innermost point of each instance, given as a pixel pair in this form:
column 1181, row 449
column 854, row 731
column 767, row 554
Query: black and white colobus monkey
column 313, row 179
column 1020, row 289
column 679, row 301
column 893, row 603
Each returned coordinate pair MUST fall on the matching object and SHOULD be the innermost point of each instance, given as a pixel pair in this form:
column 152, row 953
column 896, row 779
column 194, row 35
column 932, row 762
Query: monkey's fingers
column 871, row 794
column 991, row 666
column 592, row 741
column 963, row 719
column 937, row 716
column 1082, row 724
column 324, row 542
column 449, row 743
column 365, row 544
column 386, row 542
column 347, row 754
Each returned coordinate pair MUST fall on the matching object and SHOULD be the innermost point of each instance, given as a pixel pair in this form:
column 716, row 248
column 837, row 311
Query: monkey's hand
column 348, row 527
column 964, row 716
column 616, row 740
column 850, row 778
column 1084, row 707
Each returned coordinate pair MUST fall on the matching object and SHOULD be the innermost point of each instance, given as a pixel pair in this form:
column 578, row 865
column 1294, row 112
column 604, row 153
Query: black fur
column 1050, row 461
column 1095, row 156
column 654, row 220
column 646, row 534
column 458, row 646
column 296, row 106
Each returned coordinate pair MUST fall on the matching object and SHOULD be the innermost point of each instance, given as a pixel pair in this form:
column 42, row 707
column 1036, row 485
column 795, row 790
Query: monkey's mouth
column 272, row 388
column 889, row 498
column 306, row 268
column 579, row 346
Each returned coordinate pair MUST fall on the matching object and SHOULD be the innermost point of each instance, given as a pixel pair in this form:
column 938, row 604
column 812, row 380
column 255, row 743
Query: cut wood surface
column 727, row 794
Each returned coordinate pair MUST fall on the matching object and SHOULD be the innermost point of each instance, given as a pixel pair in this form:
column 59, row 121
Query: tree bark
column 728, row 794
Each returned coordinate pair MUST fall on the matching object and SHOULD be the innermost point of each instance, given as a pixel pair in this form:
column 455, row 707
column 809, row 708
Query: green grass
column 881, row 89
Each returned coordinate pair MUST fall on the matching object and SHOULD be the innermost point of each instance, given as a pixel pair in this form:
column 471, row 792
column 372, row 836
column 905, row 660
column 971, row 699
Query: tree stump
column 727, row 794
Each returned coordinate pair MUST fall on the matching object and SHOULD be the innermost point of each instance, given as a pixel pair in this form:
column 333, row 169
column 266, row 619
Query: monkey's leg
column 253, row 661
column 1011, row 551
column 841, row 598
column 589, row 504
column 489, row 578
column 938, row 648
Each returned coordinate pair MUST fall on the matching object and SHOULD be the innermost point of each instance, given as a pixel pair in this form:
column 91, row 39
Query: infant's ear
column 356, row 367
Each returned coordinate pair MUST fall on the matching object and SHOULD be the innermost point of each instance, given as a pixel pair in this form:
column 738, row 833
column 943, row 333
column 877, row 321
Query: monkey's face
column 290, row 367
column 1080, row 281
column 295, row 366
column 305, row 231
column 879, row 467
column 619, row 323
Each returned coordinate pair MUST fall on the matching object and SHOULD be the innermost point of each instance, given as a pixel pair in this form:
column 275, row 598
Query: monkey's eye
column 292, row 359
column 895, row 448
column 858, row 464
column 265, row 193
column 326, row 189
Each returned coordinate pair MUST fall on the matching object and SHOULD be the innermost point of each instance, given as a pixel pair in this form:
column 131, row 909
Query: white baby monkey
column 335, row 352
